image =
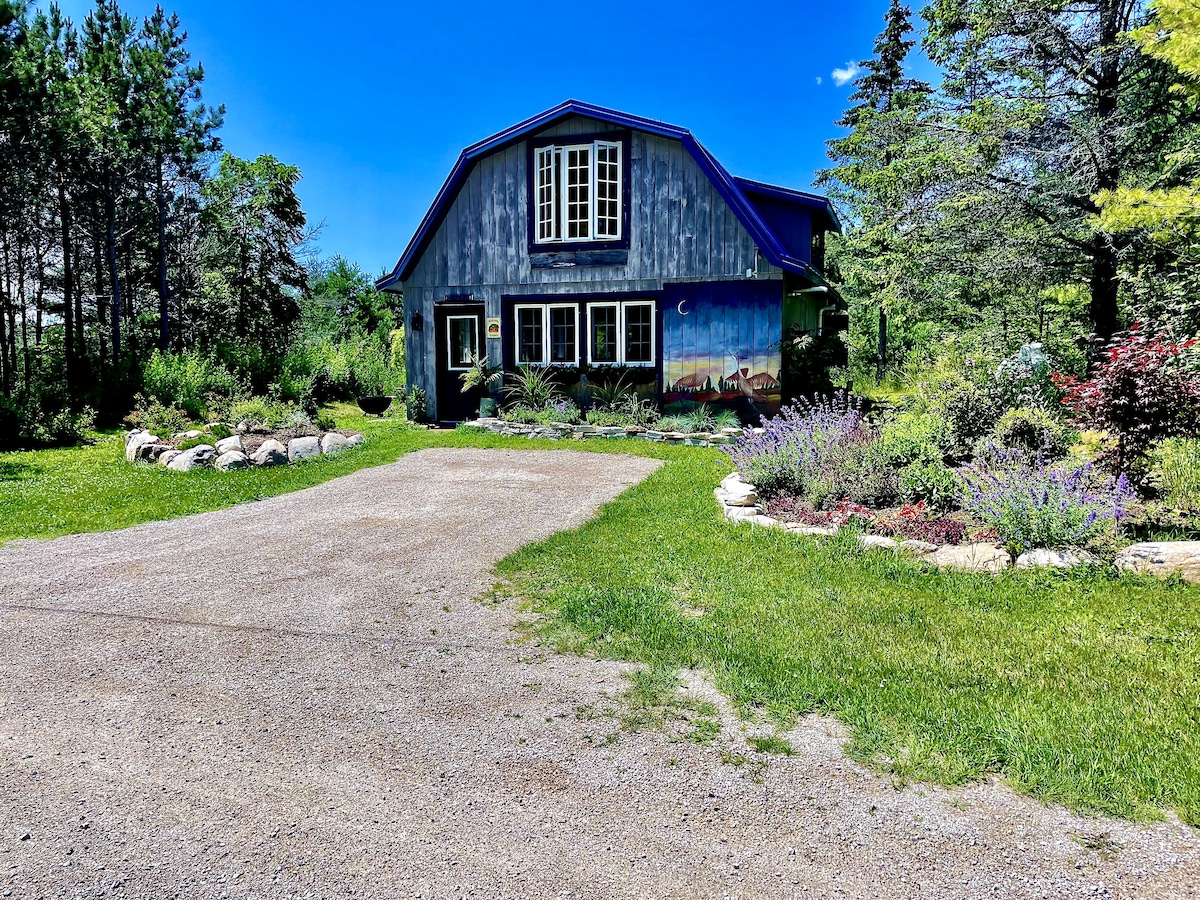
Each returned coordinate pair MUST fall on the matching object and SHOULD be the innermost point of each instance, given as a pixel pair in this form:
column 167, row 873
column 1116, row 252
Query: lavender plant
column 791, row 452
column 1031, row 503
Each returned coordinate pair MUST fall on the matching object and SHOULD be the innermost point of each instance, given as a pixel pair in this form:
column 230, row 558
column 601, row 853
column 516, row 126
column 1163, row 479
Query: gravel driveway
column 299, row 697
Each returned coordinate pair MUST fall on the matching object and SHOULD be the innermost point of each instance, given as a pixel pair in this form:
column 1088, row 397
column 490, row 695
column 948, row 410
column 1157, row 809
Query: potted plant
column 482, row 375
column 370, row 374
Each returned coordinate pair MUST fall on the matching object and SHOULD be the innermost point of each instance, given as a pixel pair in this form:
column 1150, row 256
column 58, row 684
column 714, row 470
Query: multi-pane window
column 621, row 333
column 547, row 334
column 605, row 328
column 530, row 336
column 577, row 192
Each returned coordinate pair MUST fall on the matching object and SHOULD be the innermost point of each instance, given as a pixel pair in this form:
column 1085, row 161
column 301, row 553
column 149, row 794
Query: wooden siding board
column 660, row 217
column 688, row 206
column 703, row 226
column 674, row 267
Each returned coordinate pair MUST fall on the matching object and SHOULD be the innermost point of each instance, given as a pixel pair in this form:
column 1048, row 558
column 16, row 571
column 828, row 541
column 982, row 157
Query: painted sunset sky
column 721, row 321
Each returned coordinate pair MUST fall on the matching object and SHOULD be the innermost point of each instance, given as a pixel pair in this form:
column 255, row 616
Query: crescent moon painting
column 720, row 345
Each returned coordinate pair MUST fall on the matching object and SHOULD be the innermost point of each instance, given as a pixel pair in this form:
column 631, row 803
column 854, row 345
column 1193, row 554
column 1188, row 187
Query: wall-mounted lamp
column 418, row 322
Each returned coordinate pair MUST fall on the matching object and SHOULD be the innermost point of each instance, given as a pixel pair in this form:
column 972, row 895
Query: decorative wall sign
column 493, row 328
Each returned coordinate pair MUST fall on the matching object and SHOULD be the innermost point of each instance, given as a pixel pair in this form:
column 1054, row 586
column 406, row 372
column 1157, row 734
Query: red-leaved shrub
column 1141, row 392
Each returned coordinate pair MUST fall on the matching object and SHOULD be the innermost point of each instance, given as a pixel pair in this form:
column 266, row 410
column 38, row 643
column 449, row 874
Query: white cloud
column 849, row 73
column 819, row 79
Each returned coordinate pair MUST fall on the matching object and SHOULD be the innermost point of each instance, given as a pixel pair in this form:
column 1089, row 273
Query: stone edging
column 228, row 454
column 562, row 431
column 739, row 503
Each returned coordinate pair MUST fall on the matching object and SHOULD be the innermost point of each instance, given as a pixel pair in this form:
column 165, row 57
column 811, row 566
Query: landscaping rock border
column 229, row 454
column 559, row 431
column 739, row 503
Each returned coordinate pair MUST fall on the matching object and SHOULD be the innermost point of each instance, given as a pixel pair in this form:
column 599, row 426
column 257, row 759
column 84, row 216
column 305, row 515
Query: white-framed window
column 462, row 341
column 621, row 333
column 547, row 334
column 577, row 192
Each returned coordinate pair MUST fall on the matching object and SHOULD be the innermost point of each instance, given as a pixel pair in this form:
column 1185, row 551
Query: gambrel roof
column 734, row 191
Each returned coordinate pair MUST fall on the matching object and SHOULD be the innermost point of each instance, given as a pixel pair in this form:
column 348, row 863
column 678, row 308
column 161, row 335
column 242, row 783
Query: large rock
column 877, row 542
column 199, row 457
column 151, row 452
column 811, row 530
column 187, row 435
column 356, row 439
column 303, row 448
column 1163, row 558
column 130, row 435
column 134, row 441
column 167, row 456
column 332, row 442
column 231, row 459
column 970, row 558
column 230, row 445
column 920, row 548
column 270, row 453
column 1041, row 558
column 735, row 492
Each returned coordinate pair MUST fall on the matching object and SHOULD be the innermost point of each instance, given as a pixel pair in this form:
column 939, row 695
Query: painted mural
column 721, row 346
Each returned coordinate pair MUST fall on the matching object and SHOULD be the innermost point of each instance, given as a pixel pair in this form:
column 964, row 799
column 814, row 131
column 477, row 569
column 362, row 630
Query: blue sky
column 373, row 100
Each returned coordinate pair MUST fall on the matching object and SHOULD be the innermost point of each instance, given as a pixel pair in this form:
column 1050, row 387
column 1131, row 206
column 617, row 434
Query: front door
column 459, row 338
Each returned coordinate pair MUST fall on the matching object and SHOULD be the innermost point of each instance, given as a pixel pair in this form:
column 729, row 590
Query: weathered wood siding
column 679, row 228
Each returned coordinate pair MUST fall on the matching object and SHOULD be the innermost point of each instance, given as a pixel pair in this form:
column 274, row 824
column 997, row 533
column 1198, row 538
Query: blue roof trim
column 727, row 186
column 802, row 198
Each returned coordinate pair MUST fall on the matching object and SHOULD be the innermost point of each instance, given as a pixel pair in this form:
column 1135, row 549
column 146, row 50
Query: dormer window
column 578, row 192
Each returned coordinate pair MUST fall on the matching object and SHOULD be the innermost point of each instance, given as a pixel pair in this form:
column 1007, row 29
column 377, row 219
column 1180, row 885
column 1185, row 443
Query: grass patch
column 770, row 743
column 1079, row 688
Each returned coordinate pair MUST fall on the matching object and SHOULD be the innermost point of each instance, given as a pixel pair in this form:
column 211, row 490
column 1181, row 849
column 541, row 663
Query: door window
column 462, row 341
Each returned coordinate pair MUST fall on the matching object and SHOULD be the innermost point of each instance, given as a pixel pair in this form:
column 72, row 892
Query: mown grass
column 1080, row 689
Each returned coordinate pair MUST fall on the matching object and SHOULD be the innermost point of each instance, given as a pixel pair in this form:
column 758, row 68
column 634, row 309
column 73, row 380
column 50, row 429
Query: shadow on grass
column 11, row 470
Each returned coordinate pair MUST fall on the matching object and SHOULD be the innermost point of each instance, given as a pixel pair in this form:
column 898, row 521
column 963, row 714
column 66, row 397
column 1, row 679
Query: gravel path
column 299, row 697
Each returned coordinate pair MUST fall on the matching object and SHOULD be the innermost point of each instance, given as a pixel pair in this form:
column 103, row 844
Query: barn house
column 600, row 242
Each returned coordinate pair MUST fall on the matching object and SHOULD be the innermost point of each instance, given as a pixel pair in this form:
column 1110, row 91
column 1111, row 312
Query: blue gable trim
column 727, row 186
column 813, row 202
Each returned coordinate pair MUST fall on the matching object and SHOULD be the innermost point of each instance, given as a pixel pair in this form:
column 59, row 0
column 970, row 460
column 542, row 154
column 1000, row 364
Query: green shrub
column 1176, row 474
column 1034, row 430
column 416, row 405
column 533, row 387
column 929, row 481
column 914, row 436
column 218, row 431
column 28, row 424
column 609, row 418
column 189, row 381
column 156, row 417
column 262, row 413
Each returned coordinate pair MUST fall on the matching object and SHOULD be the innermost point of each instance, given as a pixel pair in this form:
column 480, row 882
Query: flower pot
column 488, row 407
column 374, row 406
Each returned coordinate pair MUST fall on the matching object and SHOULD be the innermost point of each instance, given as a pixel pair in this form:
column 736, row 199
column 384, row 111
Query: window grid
column 578, row 192
column 608, row 186
column 530, row 336
column 547, row 334
column 621, row 333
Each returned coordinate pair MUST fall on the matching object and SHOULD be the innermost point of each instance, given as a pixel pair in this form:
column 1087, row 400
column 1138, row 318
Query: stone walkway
column 299, row 697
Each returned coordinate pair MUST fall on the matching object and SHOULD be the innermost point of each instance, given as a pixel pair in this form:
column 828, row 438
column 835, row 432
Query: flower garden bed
column 557, row 431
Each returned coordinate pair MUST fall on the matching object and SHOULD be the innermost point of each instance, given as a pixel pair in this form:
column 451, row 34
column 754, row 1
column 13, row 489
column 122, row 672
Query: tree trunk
column 164, row 321
column 99, row 295
column 64, row 219
column 110, row 249
column 5, row 374
column 26, row 358
column 1103, row 282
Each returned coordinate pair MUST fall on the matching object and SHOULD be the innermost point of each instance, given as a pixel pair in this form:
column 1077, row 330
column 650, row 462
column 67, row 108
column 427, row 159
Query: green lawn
column 1081, row 689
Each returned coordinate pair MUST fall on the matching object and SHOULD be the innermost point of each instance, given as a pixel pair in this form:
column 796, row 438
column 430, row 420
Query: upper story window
column 578, row 192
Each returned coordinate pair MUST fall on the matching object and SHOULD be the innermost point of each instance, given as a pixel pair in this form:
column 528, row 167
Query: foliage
column 481, row 374
column 1142, row 391
column 608, row 393
column 532, row 386
column 416, row 405
column 918, row 522
column 1033, row 430
column 1175, row 474
column 794, row 449
column 559, row 411
column 150, row 414
column 1032, row 504
column 808, row 358
column 1026, row 379
column 930, row 482
column 262, row 414
column 189, row 380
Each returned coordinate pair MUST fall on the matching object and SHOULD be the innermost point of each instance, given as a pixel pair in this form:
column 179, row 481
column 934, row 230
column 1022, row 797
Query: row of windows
column 578, row 192
column 618, row 333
